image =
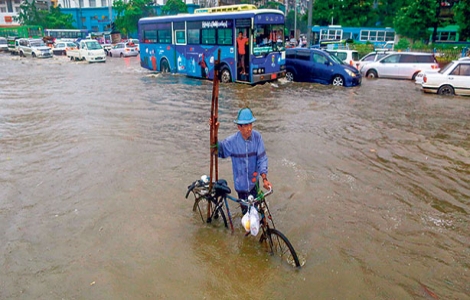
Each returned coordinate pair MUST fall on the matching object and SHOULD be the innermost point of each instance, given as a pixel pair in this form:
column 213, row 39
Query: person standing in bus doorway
column 241, row 42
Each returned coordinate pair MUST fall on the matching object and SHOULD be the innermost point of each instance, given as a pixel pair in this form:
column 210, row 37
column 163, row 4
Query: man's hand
column 267, row 184
column 210, row 123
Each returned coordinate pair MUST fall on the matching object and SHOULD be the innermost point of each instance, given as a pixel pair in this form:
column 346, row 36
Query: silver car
column 400, row 65
column 124, row 50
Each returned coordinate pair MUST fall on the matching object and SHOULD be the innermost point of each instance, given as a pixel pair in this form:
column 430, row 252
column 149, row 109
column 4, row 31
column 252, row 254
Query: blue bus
column 189, row 43
column 377, row 36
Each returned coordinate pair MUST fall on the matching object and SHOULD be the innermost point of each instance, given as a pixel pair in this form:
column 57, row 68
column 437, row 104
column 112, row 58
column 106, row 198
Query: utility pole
column 309, row 23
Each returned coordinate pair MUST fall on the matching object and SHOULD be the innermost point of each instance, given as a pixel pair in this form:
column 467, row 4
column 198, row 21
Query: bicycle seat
column 221, row 188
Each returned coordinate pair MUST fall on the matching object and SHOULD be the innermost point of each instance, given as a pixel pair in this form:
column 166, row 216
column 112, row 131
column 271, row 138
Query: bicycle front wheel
column 279, row 245
column 217, row 213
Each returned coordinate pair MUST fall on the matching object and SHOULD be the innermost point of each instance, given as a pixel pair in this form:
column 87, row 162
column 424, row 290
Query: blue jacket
column 248, row 157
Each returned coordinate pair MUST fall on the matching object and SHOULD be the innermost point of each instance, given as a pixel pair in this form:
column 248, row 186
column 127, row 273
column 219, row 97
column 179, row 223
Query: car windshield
column 93, row 45
column 71, row 45
column 37, row 44
column 3, row 42
column 268, row 38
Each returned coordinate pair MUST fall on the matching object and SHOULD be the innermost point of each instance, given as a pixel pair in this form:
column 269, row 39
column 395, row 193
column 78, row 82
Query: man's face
column 240, row 35
column 245, row 130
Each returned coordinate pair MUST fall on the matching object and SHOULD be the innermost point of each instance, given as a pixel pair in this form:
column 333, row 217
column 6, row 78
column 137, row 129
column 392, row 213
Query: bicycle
column 215, row 197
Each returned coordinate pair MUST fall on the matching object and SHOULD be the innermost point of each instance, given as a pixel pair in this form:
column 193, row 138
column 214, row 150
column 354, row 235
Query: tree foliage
column 173, row 7
column 414, row 20
column 462, row 11
column 129, row 13
column 53, row 18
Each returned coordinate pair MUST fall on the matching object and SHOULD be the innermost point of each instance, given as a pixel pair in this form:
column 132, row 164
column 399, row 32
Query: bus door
column 180, row 57
column 243, row 67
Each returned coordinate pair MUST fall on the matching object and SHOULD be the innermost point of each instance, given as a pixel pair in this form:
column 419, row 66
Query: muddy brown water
column 371, row 185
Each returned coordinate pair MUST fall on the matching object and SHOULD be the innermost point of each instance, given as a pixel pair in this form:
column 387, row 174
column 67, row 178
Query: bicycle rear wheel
column 279, row 245
column 217, row 216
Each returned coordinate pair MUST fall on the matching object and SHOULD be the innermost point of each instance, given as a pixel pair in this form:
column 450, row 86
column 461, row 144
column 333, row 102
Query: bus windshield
column 268, row 38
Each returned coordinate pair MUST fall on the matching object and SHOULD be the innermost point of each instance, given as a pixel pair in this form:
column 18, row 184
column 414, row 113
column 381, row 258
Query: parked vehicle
column 61, row 47
column 13, row 46
column 453, row 79
column 124, row 50
column 400, row 65
column 372, row 56
column 3, row 44
column 350, row 57
column 89, row 50
column 136, row 43
column 315, row 65
column 33, row 48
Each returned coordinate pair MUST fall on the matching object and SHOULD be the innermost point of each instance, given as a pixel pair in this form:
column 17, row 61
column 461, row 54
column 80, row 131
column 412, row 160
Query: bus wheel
column 164, row 66
column 225, row 75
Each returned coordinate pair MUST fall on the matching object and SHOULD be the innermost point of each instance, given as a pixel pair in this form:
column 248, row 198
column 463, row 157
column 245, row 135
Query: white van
column 34, row 48
column 351, row 57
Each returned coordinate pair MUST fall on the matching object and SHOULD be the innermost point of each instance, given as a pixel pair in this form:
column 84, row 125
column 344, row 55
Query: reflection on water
column 371, row 187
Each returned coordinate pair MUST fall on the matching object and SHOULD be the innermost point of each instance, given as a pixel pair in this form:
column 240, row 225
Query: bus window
column 180, row 37
column 268, row 38
column 224, row 36
column 208, row 36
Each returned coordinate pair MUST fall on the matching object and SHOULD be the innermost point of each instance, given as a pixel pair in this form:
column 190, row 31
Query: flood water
column 371, row 186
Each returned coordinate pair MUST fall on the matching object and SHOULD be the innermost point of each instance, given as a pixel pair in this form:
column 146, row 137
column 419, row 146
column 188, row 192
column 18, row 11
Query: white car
column 61, row 47
column 3, row 44
column 400, row 65
column 372, row 57
column 453, row 79
column 124, row 50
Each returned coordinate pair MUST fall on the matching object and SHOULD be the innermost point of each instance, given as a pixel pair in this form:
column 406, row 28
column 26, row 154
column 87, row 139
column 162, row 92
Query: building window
column 104, row 3
column 3, row 9
column 92, row 3
column 94, row 28
column 80, row 3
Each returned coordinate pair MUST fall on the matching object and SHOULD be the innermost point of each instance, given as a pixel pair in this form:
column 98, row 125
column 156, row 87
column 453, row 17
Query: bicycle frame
column 217, row 195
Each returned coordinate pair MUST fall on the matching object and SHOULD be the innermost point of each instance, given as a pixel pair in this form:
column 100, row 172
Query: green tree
column 29, row 14
column 413, row 21
column 461, row 13
column 129, row 13
column 55, row 19
column 173, row 7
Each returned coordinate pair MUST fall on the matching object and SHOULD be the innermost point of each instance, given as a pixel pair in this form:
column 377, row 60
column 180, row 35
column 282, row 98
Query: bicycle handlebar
column 248, row 202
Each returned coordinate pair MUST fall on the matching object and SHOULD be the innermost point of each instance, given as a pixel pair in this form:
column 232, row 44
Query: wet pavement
column 371, row 185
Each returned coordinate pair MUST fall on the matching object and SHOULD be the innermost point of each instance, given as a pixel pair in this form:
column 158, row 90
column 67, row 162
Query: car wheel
column 446, row 90
column 164, row 66
column 289, row 76
column 110, row 54
column 121, row 55
column 372, row 74
column 225, row 76
column 33, row 55
column 337, row 81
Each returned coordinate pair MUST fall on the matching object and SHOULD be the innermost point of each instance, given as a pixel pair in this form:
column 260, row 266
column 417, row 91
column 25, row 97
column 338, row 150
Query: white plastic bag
column 246, row 222
column 254, row 221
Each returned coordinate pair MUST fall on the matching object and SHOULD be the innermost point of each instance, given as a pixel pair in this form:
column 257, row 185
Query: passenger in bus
column 241, row 42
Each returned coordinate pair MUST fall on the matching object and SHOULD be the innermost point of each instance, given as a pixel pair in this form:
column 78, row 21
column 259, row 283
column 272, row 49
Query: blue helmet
column 245, row 116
